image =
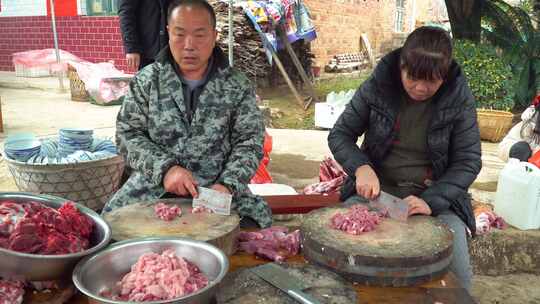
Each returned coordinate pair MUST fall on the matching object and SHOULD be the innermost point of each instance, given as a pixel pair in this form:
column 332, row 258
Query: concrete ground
column 37, row 106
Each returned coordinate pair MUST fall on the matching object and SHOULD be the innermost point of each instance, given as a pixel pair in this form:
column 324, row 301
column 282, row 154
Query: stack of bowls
column 22, row 147
column 71, row 140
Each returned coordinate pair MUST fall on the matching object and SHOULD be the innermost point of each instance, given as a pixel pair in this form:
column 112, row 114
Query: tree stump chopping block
column 394, row 254
column 139, row 220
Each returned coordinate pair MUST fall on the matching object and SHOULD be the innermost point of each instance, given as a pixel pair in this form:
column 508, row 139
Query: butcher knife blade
column 219, row 202
column 280, row 278
column 397, row 208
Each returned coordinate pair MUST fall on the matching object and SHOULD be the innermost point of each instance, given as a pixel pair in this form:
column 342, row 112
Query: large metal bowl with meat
column 97, row 275
column 38, row 267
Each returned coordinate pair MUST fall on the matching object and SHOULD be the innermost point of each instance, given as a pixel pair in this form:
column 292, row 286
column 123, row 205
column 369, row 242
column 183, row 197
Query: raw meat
column 274, row 243
column 11, row 292
column 356, row 220
column 156, row 277
column 331, row 178
column 32, row 227
column 166, row 212
column 201, row 209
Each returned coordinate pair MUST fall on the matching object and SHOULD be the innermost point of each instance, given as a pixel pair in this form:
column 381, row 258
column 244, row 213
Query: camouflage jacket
column 222, row 144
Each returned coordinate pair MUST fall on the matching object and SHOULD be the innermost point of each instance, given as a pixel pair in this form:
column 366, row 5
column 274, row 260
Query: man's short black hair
column 193, row 3
column 427, row 53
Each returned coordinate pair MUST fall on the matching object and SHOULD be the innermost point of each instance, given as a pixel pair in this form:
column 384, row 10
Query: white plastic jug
column 518, row 195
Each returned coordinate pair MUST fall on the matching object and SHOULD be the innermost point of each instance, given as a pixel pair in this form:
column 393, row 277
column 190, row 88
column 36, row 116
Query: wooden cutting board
column 244, row 287
column 394, row 254
column 139, row 220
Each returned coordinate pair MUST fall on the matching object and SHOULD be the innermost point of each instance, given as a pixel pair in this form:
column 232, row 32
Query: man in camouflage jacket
column 190, row 119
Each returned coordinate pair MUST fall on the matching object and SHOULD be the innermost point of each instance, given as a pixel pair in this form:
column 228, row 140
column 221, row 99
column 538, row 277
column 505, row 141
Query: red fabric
column 62, row 8
column 262, row 175
column 535, row 159
column 536, row 101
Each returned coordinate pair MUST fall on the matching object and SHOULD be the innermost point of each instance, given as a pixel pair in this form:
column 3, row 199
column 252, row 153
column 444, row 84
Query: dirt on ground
column 508, row 289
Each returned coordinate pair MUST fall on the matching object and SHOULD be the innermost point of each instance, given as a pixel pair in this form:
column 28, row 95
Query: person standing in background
column 143, row 25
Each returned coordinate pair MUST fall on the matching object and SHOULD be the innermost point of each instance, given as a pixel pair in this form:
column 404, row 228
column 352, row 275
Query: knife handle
column 302, row 297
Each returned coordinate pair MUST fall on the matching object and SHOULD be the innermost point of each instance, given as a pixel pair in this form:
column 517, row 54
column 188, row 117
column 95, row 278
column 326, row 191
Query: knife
column 280, row 278
column 397, row 208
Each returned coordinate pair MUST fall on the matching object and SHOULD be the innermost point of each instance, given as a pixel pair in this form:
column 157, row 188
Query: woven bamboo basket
column 494, row 125
column 76, row 85
column 90, row 183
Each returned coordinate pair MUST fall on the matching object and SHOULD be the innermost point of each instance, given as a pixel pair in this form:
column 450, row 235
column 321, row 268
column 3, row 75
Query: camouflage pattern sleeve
column 247, row 136
column 143, row 155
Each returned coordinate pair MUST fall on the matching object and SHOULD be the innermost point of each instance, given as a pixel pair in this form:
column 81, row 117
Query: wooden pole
column 287, row 78
column 298, row 65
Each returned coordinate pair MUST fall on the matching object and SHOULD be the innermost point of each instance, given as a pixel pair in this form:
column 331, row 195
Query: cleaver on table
column 280, row 278
column 397, row 208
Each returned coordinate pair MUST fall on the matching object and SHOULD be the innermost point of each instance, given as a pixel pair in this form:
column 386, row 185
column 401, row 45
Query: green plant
column 511, row 29
column 490, row 78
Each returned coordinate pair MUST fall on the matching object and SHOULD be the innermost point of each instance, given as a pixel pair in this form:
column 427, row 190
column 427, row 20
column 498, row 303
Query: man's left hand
column 220, row 188
column 417, row 205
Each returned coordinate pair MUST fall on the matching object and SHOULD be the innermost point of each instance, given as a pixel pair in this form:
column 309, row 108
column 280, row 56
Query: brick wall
column 340, row 23
column 95, row 39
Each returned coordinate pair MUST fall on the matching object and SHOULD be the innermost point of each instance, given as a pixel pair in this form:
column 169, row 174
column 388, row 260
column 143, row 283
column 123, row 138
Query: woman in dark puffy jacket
column 421, row 139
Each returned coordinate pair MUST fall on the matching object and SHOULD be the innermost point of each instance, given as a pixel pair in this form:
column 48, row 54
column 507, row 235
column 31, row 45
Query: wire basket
column 90, row 183
column 76, row 85
column 494, row 125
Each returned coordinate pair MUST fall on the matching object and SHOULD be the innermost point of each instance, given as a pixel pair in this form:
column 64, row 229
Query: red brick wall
column 339, row 25
column 95, row 39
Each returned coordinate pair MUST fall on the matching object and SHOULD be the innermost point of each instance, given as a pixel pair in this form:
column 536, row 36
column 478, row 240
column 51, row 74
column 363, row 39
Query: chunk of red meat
column 201, row 209
column 166, row 212
column 157, row 277
column 356, row 220
column 44, row 230
column 274, row 243
column 11, row 292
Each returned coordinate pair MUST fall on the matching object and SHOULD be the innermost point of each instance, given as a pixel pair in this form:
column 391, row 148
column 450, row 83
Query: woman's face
column 418, row 89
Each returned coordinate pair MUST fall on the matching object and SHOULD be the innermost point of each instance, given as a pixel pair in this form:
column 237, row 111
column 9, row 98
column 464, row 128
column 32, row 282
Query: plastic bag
column 45, row 59
column 262, row 176
column 103, row 81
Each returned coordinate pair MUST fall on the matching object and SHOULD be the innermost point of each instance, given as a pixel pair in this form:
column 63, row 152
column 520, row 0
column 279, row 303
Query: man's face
column 418, row 89
column 192, row 39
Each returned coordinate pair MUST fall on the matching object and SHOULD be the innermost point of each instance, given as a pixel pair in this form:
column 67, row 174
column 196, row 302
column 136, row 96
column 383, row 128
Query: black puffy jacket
column 453, row 139
column 143, row 24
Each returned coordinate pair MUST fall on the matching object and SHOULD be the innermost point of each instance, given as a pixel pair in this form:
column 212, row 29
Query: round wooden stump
column 245, row 287
column 394, row 254
column 139, row 220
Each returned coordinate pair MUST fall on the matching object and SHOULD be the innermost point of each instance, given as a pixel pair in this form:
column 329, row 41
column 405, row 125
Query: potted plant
column 491, row 82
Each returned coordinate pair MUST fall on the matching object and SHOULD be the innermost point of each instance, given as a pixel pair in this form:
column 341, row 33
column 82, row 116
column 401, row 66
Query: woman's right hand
column 367, row 182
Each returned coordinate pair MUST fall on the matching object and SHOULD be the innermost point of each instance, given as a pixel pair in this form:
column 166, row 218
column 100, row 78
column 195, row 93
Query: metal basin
column 100, row 272
column 37, row 267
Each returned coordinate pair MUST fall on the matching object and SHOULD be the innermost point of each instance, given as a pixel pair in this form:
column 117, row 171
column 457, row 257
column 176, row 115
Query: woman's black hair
column 427, row 54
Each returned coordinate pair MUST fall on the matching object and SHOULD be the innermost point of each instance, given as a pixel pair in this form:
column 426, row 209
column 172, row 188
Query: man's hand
column 180, row 182
column 367, row 182
column 417, row 205
column 133, row 60
column 220, row 188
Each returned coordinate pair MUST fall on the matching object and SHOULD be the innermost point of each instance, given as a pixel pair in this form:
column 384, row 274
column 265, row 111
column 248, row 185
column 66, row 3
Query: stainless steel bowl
column 100, row 272
column 38, row 267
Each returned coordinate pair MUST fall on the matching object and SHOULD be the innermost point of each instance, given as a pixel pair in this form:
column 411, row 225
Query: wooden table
column 445, row 291
column 442, row 291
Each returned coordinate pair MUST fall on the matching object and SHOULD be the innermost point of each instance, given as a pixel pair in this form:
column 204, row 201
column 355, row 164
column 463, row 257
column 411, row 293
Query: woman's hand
column 367, row 182
column 417, row 205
